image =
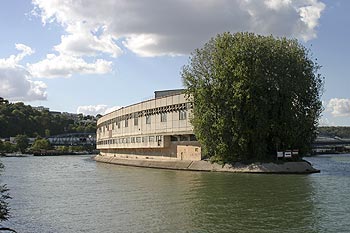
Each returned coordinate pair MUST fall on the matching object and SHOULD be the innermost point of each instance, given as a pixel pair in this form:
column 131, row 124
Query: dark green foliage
column 4, row 209
column 22, row 142
column 41, row 144
column 4, row 196
column 17, row 118
column 4, row 205
column 253, row 95
column 7, row 147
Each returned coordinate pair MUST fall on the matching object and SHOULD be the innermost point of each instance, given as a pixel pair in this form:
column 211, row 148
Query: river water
column 76, row 194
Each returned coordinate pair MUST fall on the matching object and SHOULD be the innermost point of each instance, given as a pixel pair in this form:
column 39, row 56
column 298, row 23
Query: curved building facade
column 157, row 128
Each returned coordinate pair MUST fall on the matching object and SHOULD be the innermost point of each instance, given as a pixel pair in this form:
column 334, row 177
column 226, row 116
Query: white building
column 156, row 128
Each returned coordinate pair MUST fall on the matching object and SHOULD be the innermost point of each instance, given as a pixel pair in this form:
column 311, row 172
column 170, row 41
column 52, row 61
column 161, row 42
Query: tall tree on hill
column 253, row 95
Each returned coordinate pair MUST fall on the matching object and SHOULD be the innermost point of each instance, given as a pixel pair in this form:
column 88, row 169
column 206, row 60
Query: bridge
column 331, row 144
column 73, row 139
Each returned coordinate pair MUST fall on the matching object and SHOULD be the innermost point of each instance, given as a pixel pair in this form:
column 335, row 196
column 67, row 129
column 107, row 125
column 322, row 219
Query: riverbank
column 301, row 167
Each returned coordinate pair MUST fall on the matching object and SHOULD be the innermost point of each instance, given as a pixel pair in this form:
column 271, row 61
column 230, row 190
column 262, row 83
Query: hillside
column 18, row 118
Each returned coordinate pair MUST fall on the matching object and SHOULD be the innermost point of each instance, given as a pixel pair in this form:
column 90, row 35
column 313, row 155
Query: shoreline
column 301, row 167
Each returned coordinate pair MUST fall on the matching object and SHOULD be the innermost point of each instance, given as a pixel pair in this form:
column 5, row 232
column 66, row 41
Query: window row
column 153, row 111
column 163, row 118
column 144, row 139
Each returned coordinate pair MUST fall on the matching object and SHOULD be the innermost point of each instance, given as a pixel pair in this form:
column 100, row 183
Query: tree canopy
column 22, row 142
column 41, row 144
column 253, row 95
column 18, row 118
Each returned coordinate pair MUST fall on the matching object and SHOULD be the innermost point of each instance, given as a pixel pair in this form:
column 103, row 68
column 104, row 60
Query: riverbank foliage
column 253, row 95
column 41, row 144
column 4, row 196
column 18, row 118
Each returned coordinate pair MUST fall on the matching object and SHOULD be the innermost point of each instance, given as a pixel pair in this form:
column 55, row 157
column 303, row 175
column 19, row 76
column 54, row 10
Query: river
column 76, row 194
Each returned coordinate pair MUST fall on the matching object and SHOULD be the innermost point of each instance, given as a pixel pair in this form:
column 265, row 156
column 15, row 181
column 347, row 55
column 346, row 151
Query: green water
column 76, row 194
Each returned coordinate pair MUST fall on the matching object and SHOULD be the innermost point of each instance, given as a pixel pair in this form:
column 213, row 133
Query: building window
column 148, row 119
column 138, row 139
column 126, row 122
column 151, row 138
column 132, row 140
column 159, row 140
column 118, row 124
column 182, row 115
column 163, row 117
column 183, row 138
column 136, row 121
column 144, row 139
column 193, row 137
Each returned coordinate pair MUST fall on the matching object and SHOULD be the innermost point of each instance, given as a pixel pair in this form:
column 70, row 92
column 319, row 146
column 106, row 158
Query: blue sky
column 94, row 56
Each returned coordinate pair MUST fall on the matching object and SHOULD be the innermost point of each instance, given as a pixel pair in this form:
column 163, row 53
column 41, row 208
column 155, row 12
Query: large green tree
column 253, row 95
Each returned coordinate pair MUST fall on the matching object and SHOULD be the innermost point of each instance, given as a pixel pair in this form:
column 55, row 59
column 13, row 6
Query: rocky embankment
column 301, row 167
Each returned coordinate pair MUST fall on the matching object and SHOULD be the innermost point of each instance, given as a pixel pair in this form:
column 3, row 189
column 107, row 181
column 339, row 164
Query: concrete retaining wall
column 288, row 167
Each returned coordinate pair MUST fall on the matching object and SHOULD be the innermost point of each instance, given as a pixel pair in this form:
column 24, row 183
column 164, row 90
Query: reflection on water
column 75, row 194
column 256, row 203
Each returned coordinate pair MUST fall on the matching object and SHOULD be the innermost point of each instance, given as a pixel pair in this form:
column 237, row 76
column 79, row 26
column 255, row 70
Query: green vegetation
column 41, row 144
column 22, row 142
column 4, row 209
column 4, row 205
column 253, row 95
column 17, row 118
column 7, row 147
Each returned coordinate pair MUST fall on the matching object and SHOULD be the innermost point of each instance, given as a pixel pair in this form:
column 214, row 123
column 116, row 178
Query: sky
column 92, row 57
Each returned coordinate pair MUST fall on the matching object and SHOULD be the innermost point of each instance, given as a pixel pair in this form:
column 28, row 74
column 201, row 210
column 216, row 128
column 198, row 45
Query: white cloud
column 13, row 60
column 96, row 109
column 64, row 66
column 339, row 107
column 15, row 80
column 84, row 42
column 169, row 27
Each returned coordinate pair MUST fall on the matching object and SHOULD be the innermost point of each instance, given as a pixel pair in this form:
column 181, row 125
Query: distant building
column 55, row 113
column 41, row 108
column 156, row 128
column 73, row 116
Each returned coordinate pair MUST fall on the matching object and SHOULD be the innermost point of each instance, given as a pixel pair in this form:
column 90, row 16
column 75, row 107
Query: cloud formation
column 15, row 80
column 96, row 109
column 65, row 66
column 13, row 60
column 339, row 107
column 169, row 27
